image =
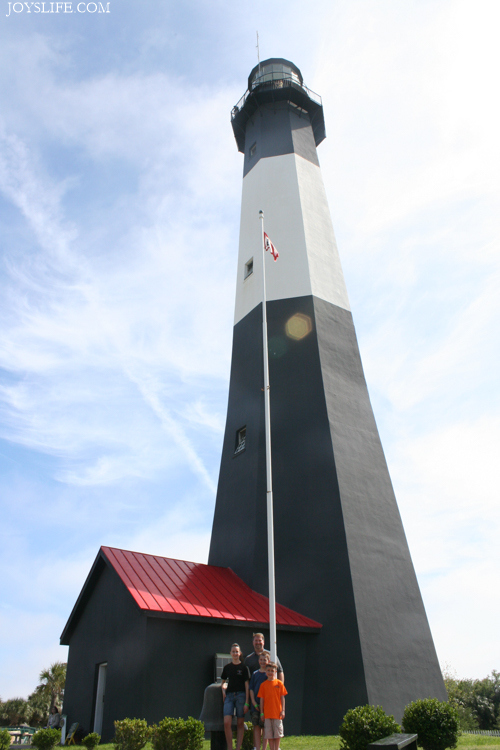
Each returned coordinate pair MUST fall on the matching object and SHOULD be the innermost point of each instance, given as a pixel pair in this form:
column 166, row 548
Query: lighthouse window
column 275, row 72
column 241, row 437
column 248, row 268
column 253, row 149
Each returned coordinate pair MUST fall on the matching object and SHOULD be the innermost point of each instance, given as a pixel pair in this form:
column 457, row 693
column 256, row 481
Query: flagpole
column 269, row 476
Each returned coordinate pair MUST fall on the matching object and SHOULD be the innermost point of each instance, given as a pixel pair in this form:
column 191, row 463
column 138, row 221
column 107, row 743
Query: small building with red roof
column 144, row 633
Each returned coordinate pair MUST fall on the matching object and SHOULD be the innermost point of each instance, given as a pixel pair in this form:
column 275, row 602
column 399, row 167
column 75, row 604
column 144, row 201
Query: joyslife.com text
column 58, row 8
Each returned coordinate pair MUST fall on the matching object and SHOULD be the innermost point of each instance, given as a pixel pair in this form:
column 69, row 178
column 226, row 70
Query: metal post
column 269, row 476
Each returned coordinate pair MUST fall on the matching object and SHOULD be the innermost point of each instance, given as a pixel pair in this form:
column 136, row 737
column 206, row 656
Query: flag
column 268, row 245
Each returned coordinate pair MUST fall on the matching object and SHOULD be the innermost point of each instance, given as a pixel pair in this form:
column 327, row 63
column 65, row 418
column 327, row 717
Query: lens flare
column 298, row 326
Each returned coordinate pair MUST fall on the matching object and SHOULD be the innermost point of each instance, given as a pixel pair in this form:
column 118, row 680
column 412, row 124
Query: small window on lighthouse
column 253, row 149
column 241, row 436
column 248, row 268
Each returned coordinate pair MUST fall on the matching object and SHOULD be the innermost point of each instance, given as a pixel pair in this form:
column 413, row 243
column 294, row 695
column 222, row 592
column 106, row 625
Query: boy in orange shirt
column 272, row 706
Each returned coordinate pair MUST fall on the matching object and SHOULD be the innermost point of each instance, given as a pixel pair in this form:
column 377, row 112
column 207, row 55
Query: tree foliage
column 40, row 708
column 15, row 711
column 52, row 681
column 36, row 709
column 477, row 701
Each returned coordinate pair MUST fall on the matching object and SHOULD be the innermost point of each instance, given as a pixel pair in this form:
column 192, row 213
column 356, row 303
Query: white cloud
column 447, row 485
column 175, row 535
column 133, row 319
column 32, row 647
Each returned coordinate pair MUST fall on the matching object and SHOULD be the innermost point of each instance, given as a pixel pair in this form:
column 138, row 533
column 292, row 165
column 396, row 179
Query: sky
column 120, row 188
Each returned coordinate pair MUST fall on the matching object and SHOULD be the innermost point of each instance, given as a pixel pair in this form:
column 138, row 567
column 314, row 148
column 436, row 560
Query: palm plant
column 15, row 710
column 52, row 682
column 40, row 706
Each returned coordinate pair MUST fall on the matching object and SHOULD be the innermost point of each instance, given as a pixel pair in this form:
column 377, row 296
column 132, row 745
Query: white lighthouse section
column 290, row 191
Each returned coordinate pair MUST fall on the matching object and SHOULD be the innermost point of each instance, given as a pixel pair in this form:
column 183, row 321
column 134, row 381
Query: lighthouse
column 341, row 555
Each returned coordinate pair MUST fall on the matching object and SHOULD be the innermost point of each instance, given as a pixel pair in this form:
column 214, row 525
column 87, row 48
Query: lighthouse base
column 341, row 555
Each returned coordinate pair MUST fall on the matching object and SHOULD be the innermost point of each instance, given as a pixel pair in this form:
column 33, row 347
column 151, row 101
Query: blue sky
column 120, row 186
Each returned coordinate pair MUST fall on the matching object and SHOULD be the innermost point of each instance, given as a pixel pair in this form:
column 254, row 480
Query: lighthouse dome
column 274, row 69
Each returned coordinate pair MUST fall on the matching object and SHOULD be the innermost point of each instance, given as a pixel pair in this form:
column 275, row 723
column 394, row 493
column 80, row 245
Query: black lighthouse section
column 341, row 555
column 312, row 558
column 276, row 86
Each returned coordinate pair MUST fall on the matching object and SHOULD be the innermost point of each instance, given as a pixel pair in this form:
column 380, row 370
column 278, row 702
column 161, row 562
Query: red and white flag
column 268, row 245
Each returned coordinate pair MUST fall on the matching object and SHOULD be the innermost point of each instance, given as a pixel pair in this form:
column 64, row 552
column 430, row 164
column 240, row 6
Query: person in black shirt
column 235, row 695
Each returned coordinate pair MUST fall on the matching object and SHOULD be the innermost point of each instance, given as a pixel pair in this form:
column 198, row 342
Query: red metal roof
column 161, row 584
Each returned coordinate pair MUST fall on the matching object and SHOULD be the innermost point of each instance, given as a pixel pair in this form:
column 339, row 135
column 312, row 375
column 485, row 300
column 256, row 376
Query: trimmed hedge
column 435, row 722
column 366, row 724
column 178, row 734
column 91, row 740
column 46, row 739
column 131, row 734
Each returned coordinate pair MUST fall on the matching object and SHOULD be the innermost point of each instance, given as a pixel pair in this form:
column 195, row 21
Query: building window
column 248, row 268
column 220, row 662
column 253, row 149
column 241, row 437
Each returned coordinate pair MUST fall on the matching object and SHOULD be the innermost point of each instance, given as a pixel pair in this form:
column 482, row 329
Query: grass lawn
column 465, row 742
column 479, row 741
column 332, row 742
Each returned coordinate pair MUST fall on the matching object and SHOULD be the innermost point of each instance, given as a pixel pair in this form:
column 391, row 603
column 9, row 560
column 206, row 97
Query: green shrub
column 178, row 734
column 131, row 734
column 46, row 739
column 4, row 739
column 91, row 740
column 365, row 724
column 247, row 743
column 435, row 722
